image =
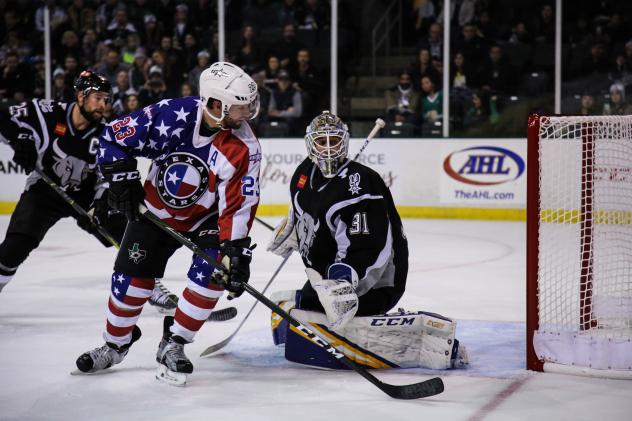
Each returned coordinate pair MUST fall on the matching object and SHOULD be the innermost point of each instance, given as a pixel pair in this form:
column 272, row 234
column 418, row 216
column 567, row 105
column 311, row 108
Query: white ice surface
column 54, row 310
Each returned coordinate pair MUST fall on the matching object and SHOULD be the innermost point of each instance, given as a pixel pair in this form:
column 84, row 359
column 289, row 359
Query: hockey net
column 579, row 245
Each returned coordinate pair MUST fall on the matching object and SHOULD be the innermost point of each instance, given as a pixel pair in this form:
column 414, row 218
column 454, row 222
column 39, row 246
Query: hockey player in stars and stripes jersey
column 204, row 183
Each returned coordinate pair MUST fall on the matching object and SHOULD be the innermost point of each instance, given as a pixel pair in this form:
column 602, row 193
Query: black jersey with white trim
column 351, row 220
column 67, row 156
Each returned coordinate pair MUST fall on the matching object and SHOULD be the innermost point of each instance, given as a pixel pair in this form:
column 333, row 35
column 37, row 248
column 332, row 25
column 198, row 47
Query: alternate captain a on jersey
column 344, row 224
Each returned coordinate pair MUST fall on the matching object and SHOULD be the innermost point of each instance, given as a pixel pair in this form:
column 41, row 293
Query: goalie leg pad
column 415, row 339
column 287, row 301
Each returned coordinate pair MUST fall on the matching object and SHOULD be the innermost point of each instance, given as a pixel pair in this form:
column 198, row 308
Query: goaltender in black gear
column 62, row 141
column 344, row 224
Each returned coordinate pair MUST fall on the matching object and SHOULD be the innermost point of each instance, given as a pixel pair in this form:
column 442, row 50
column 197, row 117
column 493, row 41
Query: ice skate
column 173, row 364
column 105, row 356
column 164, row 300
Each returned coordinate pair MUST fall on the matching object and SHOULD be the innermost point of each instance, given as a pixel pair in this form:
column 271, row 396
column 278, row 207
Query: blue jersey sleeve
column 145, row 133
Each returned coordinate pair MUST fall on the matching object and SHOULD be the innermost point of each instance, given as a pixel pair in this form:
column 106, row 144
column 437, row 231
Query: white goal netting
column 585, row 242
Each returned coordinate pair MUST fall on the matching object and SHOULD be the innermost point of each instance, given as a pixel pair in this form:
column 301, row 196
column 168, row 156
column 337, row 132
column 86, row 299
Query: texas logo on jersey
column 181, row 180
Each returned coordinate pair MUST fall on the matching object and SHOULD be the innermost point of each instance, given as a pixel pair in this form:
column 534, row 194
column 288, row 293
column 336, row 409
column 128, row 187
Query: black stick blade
column 223, row 314
column 423, row 389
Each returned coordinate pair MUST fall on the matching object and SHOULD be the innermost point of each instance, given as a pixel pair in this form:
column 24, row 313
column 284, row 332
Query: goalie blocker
column 395, row 340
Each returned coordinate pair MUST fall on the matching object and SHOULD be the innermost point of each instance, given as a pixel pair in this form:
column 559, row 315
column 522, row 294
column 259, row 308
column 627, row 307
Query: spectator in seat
column 60, row 91
column 544, row 26
column 138, row 73
column 129, row 50
column 286, row 103
column 89, row 44
column 186, row 90
column 152, row 32
column 120, row 91
column 69, row 45
column 272, row 71
column 313, row 16
column 190, row 50
column 431, row 104
column 520, row 34
column 309, row 81
column 182, row 25
column 596, row 64
column 15, row 78
column 132, row 103
column 72, row 70
column 172, row 68
column 111, row 66
column 287, row 47
column 264, row 99
column 203, row 61
column 617, row 104
column 401, row 100
column 496, row 75
column 472, row 45
column 588, row 106
column 154, row 89
column 434, row 42
column 423, row 67
column 120, row 27
column 482, row 109
column 249, row 56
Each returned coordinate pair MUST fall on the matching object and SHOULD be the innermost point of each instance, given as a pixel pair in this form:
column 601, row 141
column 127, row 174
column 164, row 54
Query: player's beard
column 229, row 123
column 91, row 116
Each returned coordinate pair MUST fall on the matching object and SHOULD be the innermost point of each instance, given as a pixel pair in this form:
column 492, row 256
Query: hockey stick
column 423, row 389
column 379, row 124
column 264, row 223
column 214, row 348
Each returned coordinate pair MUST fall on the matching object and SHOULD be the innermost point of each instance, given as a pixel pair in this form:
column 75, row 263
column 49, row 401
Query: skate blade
column 171, row 377
column 166, row 311
column 77, row 372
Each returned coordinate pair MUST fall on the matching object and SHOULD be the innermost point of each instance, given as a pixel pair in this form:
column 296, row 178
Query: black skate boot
column 173, row 364
column 105, row 356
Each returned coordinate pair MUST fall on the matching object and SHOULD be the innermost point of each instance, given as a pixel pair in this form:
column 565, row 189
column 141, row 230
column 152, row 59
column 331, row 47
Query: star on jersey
column 163, row 102
column 182, row 115
column 199, row 276
column 176, row 132
column 162, row 128
column 173, row 177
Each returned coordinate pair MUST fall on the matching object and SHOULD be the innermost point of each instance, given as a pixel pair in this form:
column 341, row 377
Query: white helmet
column 229, row 84
column 327, row 141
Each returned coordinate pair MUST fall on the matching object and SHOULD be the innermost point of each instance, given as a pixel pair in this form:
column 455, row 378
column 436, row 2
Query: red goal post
column 579, row 245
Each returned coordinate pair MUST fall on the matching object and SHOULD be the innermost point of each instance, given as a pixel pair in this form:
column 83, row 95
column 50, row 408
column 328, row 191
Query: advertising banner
column 483, row 173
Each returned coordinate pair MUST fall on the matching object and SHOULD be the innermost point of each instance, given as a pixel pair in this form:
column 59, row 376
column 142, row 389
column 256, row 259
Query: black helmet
column 92, row 81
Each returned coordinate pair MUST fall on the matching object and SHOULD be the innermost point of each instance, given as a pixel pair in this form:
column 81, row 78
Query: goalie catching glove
column 337, row 296
column 284, row 240
column 237, row 257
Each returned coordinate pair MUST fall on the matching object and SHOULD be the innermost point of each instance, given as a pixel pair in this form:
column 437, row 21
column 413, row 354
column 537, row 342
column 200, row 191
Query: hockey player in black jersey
column 349, row 232
column 62, row 141
column 345, row 226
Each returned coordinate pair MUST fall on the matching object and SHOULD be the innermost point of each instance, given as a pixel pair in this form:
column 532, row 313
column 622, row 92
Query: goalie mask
column 233, row 88
column 327, row 141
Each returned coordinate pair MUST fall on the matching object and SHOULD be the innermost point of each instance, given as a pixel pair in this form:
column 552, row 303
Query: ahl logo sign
column 484, row 165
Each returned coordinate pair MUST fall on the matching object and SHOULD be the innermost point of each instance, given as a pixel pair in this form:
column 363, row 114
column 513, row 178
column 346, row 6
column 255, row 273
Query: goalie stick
column 215, row 316
column 422, row 389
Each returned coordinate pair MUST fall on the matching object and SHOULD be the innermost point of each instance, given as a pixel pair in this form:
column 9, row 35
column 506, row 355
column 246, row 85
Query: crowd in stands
column 503, row 53
column 151, row 50
column 500, row 51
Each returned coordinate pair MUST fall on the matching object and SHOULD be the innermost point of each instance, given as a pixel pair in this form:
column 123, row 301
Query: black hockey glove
column 237, row 257
column 125, row 191
column 25, row 154
column 100, row 216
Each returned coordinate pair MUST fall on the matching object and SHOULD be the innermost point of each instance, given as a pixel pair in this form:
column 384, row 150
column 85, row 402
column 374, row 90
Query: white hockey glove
column 337, row 296
column 284, row 240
